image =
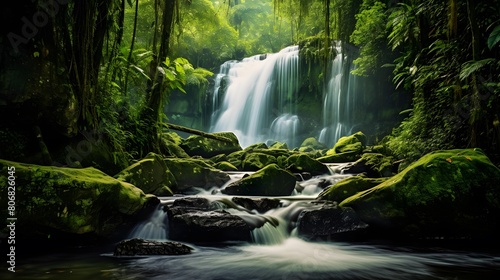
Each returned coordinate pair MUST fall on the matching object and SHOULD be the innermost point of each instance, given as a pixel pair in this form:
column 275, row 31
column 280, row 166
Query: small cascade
column 271, row 232
column 258, row 90
column 154, row 228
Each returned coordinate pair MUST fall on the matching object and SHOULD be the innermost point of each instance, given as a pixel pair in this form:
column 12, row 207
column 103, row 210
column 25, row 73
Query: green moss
column 150, row 174
column 349, row 187
column 452, row 190
column 226, row 166
column 279, row 145
column 378, row 165
column 206, row 147
column 304, row 163
column 269, row 181
column 256, row 161
column 70, row 200
column 339, row 158
column 190, row 173
column 310, row 144
column 349, row 144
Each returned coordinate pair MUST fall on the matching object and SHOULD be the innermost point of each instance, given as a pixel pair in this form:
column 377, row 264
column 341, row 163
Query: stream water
column 275, row 252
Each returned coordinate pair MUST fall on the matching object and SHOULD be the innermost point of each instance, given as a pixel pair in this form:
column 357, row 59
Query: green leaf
column 472, row 66
column 169, row 75
column 494, row 37
column 36, row 54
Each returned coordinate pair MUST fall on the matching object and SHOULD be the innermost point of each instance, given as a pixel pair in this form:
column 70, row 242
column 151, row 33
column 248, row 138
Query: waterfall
column 155, row 227
column 341, row 99
column 258, row 97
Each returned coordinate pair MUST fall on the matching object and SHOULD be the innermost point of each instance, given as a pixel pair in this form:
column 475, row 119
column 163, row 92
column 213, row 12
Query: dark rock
column 329, row 221
column 137, row 246
column 199, row 203
column 262, row 205
column 206, row 226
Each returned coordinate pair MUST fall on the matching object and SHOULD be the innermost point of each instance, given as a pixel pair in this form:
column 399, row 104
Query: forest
column 442, row 57
column 110, row 109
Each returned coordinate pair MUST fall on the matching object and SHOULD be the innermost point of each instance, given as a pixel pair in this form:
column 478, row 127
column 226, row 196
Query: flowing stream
column 275, row 252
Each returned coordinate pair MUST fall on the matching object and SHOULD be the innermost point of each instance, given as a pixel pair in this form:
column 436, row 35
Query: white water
column 341, row 98
column 259, row 92
column 154, row 228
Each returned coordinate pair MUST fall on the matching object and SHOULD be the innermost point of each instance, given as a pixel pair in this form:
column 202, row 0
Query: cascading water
column 258, row 100
column 154, row 228
column 341, row 99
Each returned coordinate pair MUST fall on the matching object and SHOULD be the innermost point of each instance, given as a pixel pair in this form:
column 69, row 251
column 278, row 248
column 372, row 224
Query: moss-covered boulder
column 349, row 144
column 452, row 193
column 339, row 158
column 225, row 166
column 375, row 165
column 196, row 145
column 256, row 161
column 256, row 146
column 349, row 187
column 194, row 173
column 55, row 200
column 150, row 174
column 269, row 181
column 299, row 163
column 279, row 145
column 311, row 144
column 236, row 158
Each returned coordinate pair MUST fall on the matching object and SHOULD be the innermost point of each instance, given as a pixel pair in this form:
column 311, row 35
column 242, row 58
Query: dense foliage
column 121, row 59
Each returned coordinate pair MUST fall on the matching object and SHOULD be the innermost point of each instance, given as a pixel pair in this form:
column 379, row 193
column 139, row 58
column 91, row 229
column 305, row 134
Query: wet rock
column 311, row 144
column 262, row 205
column 137, row 247
column 269, row 181
column 192, row 202
column 329, row 221
column 206, row 226
column 256, row 161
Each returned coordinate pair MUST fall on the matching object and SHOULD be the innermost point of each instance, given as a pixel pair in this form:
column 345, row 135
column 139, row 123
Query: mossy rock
column 150, row 174
column 255, row 146
column 236, row 158
column 206, row 147
column 303, row 163
column 339, row 158
column 225, row 166
column 256, row 161
column 194, row 173
column 447, row 193
column 374, row 165
column 269, row 181
column 349, row 187
column 311, row 144
column 170, row 148
column 354, row 143
column 279, row 145
column 51, row 200
column 172, row 137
